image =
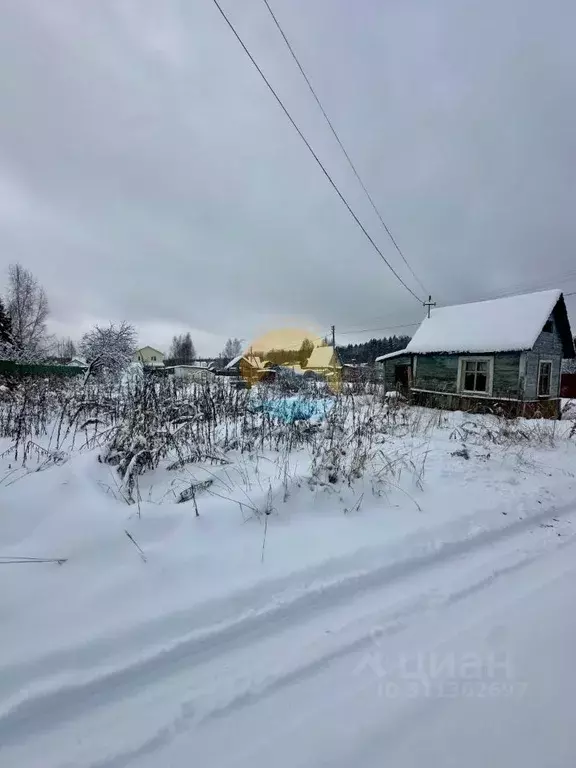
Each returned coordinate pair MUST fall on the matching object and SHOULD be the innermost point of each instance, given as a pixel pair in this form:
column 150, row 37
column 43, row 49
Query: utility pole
column 429, row 304
column 333, row 328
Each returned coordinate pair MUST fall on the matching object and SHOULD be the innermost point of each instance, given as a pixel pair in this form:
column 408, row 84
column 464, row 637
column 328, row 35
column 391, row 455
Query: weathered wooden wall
column 439, row 373
column 388, row 369
column 548, row 347
column 506, row 381
column 549, row 409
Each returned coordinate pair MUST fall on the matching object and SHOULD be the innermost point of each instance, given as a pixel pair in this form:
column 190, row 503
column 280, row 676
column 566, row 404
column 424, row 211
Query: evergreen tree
column 368, row 351
column 305, row 351
column 5, row 326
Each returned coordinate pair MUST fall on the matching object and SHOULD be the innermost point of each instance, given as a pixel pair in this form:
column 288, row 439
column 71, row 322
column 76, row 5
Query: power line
column 337, row 137
column 388, row 328
column 313, row 153
column 549, row 284
column 298, row 344
column 324, row 337
column 511, row 291
column 418, row 322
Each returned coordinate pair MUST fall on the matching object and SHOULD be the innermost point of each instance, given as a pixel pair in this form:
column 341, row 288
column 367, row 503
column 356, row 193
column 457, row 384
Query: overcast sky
column 147, row 174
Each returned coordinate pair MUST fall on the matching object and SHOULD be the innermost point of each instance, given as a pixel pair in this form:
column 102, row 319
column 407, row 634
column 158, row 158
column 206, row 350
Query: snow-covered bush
column 109, row 348
column 506, row 432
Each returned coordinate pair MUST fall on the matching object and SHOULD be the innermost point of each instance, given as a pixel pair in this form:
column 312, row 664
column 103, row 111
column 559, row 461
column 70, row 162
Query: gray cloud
column 146, row 172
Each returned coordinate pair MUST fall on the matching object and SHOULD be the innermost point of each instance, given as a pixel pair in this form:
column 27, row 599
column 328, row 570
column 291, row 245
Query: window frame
column 540, row 364
column 489, row 376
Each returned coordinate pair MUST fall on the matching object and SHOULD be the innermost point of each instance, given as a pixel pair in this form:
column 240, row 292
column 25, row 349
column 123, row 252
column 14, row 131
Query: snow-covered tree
column 109, row 348
column 9, row 350
column 28, row 310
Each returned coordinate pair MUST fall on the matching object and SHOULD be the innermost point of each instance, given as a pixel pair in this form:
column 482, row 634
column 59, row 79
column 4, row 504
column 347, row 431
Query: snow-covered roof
column 322, row 357
column 78, row 361
column 398, row 353
column 149, row 349
column 255, row 362
column 287, row 368
column 498, row 325
column 233, row 362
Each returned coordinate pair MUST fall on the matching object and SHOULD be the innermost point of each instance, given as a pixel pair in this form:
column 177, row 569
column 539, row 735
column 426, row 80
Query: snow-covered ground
column 417, row 616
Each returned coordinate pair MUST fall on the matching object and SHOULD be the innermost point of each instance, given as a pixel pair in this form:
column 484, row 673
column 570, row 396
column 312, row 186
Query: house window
column 548, row 326
column 153, row 358
column 544, row 378
column 476, row 375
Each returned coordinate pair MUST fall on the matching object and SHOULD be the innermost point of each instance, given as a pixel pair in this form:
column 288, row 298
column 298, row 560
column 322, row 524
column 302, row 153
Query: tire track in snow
column 48, row 708
column 395, row 624
column 161, row 632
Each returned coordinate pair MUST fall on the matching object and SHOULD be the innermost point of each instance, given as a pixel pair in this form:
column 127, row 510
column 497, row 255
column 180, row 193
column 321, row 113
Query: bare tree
column 66, row 348
column 28, row 311
column 109, row 349
column 232, row 349
column 182, row 349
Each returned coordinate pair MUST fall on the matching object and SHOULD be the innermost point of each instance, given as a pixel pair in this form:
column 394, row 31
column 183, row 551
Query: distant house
column 199, row 373
column 197, row 362
column 71, row 362
column 324, row 360
column 54, row 360
column 249, row 360
column 354, row 373
column 78, row 362
column 504, row 353
column 210, row 364
column 149, row 357
column 249, row 367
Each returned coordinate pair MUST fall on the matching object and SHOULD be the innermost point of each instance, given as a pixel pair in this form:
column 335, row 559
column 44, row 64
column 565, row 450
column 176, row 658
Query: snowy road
column 487, row 677
column 462, row 655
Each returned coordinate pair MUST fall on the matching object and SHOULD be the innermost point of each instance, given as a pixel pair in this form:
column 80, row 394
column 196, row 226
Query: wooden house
column 248, row 367
column 149, row 357
column 324, row 360
column 500, row 355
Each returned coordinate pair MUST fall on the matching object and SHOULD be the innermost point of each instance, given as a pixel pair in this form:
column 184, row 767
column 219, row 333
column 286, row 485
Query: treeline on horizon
column 369, row 350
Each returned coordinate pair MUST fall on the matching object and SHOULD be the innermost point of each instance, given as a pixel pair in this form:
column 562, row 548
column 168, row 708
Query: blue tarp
column 296, row 408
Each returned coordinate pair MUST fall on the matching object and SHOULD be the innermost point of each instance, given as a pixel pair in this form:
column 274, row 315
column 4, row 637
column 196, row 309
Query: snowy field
column 228, row 586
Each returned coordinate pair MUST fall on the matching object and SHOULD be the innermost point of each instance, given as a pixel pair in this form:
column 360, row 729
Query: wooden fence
column 11, row 369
